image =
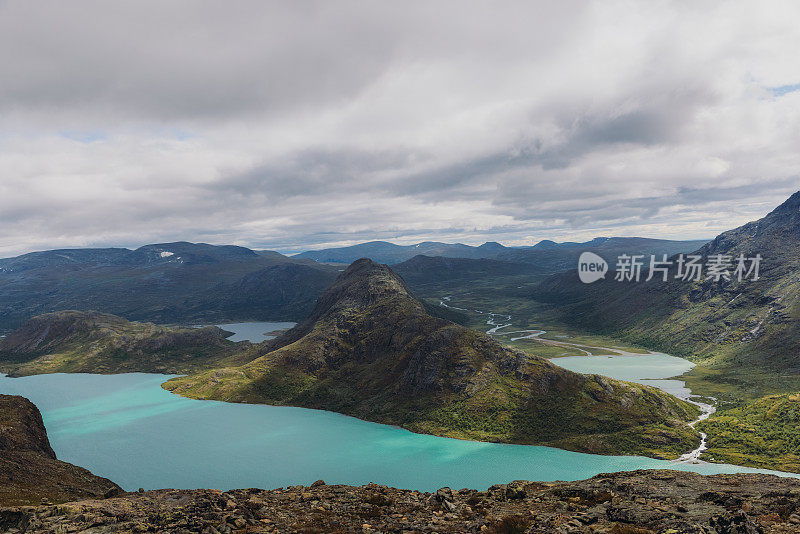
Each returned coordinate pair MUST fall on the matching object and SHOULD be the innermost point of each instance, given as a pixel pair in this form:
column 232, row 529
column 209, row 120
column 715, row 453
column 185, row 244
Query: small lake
column 654, row 369
column 127, row 428
column 254, row 332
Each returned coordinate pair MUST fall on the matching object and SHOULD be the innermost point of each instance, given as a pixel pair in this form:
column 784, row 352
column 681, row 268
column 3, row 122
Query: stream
column 606, row 365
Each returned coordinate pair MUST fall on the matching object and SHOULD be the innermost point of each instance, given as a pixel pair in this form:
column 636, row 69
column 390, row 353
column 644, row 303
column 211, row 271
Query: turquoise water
column 652, row 369
column 126, row 428
column 254, row 332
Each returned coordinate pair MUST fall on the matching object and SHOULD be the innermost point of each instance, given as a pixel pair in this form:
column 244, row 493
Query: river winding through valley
column 499, row 322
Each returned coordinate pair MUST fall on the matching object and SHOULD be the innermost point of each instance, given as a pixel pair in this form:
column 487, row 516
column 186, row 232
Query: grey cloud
column 300, row 124
column 208, row 60
column 613, row 210
column 184, row 60
column 317, row 171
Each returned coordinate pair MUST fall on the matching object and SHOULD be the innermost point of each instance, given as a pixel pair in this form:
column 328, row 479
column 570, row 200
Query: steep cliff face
column 21, row 427
column 92, row 342
column 371, row 350
column 29, row 470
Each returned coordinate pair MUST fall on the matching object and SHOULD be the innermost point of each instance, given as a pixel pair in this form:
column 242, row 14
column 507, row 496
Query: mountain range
column 368, row 347
column 547, row 255
column 187, row 283
column 744, row 333
column 192, row 283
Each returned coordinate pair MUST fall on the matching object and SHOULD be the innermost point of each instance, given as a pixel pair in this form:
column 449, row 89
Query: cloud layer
column 304, row 124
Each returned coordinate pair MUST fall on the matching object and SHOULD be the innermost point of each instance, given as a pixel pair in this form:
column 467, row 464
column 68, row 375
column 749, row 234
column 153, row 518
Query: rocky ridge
column 638, row 502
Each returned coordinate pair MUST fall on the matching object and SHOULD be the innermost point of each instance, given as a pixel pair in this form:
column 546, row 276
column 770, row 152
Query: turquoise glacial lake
column 651, row 369
column 255, row 332
column 125, row 427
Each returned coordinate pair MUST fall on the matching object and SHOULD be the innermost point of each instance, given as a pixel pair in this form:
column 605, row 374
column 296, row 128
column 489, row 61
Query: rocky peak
column 787, row 215
column 772, row 236
column 363, row 283
column 791, row 204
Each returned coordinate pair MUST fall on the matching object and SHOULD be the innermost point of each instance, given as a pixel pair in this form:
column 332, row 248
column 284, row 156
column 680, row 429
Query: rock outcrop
column 639, row 502
column 29, row 470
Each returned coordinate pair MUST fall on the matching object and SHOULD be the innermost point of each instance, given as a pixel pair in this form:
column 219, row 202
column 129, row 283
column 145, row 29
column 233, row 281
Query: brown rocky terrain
column 29, row 470
column 638, row 502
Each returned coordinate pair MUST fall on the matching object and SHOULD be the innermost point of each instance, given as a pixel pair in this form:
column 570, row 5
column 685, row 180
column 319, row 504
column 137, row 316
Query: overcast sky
column 299, row 124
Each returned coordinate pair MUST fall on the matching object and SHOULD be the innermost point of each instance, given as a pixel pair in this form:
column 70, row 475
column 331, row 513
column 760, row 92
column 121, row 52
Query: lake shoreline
column 279, row 446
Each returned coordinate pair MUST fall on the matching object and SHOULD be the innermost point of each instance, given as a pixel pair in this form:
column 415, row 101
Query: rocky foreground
column 633, row 502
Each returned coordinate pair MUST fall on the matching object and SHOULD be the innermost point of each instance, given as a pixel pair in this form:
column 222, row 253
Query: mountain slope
column 558, row 257
column 92, row 342
column 749, row 322
column 370, row 350
column 164, row 283
column 765, row 433
column 423, row 270
column 29, row 470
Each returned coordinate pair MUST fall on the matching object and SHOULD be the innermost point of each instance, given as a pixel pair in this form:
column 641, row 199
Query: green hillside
column 92, row 342
column 371, row 350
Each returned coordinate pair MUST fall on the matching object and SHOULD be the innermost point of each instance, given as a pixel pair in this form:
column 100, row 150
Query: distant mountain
column 165, row 253
column 547, row 255
column 421, row 270
column 752, row 322
column 29, row 469
column 165, row 283
column 389, row 253
column 192, row 253
column 559, row 257
column 92, row 342
column 369, row 349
